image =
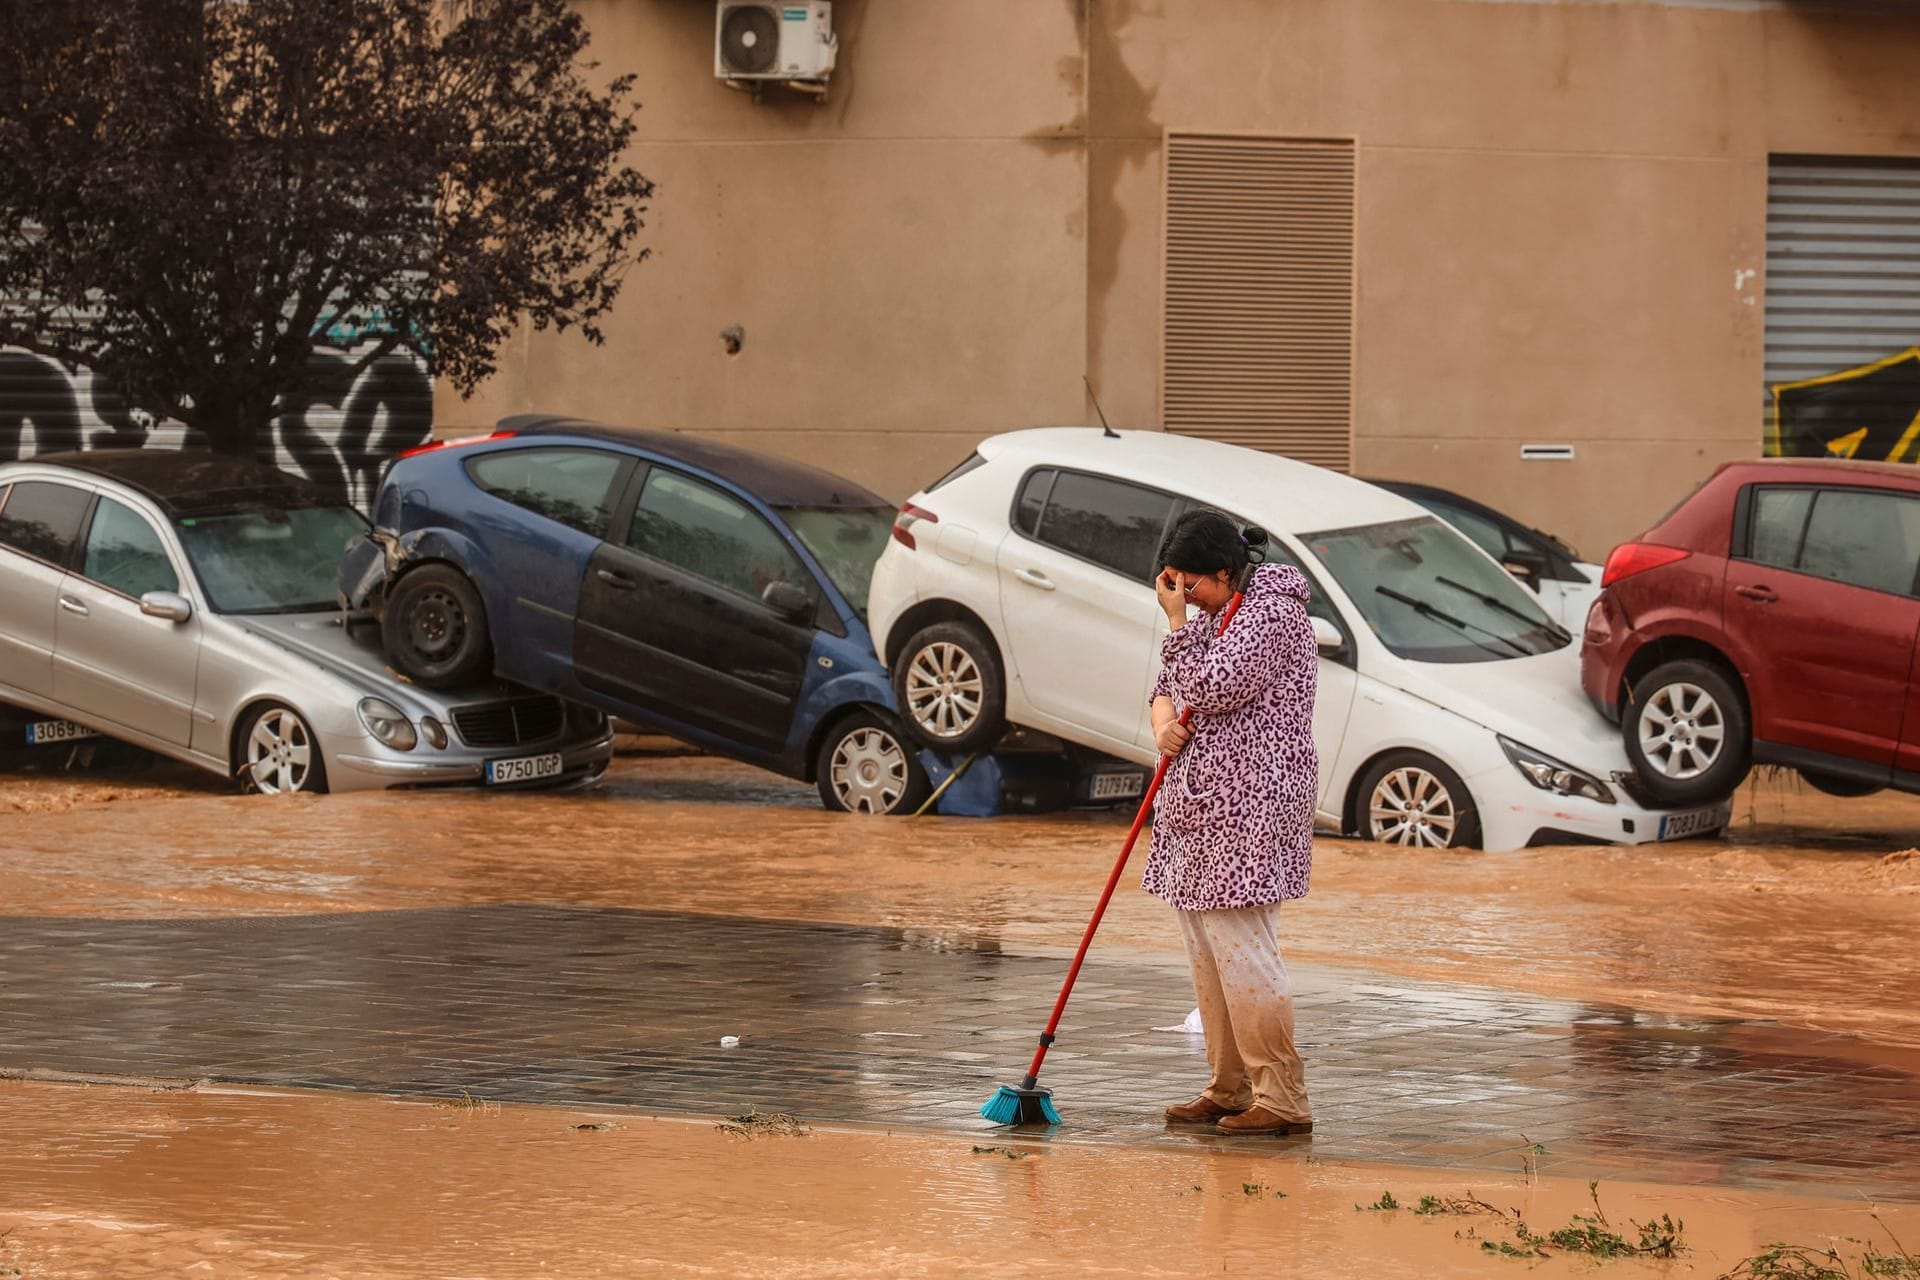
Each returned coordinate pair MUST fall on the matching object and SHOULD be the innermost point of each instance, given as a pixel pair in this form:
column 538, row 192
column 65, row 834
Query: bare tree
column 194, row 193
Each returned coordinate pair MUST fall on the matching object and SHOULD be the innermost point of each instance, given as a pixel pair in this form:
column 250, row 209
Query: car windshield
column 846, row 541
column 1431, row 596
column 270, row 560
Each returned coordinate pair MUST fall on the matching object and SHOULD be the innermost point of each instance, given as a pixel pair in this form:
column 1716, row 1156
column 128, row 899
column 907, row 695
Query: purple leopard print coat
column 1233, row 824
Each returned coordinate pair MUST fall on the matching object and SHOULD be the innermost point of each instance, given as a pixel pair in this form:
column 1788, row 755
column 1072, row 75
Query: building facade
column 1560, row 255
column 1449, row 240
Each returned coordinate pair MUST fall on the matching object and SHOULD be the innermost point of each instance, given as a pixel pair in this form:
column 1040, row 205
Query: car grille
column 511, row 723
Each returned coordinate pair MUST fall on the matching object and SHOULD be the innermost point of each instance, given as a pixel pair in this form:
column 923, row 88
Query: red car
column 1770, row 618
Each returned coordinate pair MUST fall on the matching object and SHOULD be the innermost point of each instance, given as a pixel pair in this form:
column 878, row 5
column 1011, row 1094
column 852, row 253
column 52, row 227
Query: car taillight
column 1630, row 558
column 910, row 516
column 431, row 445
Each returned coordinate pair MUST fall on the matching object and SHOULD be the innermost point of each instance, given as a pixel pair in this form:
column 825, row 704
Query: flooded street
column 231, row 1182
column 1802, row 915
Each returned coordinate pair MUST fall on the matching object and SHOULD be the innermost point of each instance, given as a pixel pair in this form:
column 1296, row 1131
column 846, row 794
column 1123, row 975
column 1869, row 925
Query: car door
column 674, row 616
column 112, row 663
column 540, row 564
column 1076, row 596
column 39, row 525
column 1820, row 593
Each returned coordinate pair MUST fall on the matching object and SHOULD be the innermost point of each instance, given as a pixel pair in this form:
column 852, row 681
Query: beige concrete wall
column 908, row 261
column 1561, row 214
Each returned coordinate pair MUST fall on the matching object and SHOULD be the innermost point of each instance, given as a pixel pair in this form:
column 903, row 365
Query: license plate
column 1678, row 826
column 1118, row 786
column 42, row 731
column 524, row 768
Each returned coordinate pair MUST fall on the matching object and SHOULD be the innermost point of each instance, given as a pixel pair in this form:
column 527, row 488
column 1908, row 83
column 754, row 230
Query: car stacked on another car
column 1552, row 570
column 1017, row 589
column 184, row 602
column 710, row 592
column 1769, row 618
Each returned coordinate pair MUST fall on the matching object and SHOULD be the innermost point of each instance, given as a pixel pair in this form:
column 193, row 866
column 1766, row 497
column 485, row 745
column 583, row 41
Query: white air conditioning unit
column 757, row 41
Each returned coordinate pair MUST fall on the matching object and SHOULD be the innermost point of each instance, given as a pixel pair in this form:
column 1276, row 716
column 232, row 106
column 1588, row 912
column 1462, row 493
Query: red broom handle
column 1126, row 851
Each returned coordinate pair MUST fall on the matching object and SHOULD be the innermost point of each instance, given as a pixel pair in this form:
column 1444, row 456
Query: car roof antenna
column 1105, row 430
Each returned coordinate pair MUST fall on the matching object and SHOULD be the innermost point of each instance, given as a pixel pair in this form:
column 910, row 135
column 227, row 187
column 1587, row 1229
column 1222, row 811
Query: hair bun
column 1253, row 535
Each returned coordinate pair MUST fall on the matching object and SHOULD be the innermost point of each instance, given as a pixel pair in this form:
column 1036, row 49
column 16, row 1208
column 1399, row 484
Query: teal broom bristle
column 1021, row 1106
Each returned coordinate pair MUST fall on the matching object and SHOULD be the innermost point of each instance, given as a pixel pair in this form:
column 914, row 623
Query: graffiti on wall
column 1871, row 412
column 339, row 433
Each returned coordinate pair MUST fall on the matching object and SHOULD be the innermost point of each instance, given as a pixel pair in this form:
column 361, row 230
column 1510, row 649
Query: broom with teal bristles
column 1029, row 1103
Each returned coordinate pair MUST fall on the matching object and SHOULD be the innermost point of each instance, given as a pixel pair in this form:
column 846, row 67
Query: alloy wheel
column 1682, row 731
column 279, row 753
column 1411, row 806
column 869, row 771
column 944, row 690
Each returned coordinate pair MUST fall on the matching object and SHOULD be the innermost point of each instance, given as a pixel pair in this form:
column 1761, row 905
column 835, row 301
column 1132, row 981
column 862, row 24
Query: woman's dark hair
column 1203, row 541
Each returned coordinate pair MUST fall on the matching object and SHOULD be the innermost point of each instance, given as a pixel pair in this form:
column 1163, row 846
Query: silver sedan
column 185, row 602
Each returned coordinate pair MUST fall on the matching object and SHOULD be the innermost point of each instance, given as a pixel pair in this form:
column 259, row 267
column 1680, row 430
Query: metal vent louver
column 1259, row 294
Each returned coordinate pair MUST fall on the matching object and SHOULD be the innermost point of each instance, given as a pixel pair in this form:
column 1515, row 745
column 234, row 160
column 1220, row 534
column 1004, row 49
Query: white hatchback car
column 1016, row 589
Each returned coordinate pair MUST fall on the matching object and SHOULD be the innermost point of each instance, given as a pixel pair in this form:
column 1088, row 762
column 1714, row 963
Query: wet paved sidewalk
column 625, row 1008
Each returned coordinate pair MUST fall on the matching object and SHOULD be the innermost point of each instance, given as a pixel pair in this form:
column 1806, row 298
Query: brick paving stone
column 626, row 1008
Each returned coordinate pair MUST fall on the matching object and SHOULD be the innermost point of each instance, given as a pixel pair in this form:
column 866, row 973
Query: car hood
column 357, row 658
column 1536, row 701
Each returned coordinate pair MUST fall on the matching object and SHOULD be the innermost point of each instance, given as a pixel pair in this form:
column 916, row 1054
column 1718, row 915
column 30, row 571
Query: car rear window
column 572, row 486
column 1865, row 539
column 1110, row 522
column 42, row 519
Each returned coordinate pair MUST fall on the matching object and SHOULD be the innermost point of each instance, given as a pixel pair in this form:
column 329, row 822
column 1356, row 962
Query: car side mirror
column 166, row 604
column 789, row 601
column 1327, row 637
column 1528, row 566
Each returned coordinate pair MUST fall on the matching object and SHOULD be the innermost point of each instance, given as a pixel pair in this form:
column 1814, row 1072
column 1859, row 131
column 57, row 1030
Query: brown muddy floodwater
column 1804, row 914
column 128, row 1183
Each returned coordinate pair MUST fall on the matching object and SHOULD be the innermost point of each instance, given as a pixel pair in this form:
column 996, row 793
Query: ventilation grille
column 1259, row 301
column 509, row 724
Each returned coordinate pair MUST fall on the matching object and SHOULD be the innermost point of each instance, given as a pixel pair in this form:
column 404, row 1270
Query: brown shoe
column 1202, row 1110
column 1260, row 1122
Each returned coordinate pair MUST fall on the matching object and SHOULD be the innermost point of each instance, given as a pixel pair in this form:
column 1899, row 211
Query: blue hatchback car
column 710, row 592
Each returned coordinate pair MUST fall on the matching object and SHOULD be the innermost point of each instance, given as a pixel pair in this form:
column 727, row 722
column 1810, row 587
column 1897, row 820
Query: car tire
column 1833, row 784
column 275, row 753
column 1686, row 732
column 866, row 764
column 434, row 628
column 950, row 689
column 1409, row 798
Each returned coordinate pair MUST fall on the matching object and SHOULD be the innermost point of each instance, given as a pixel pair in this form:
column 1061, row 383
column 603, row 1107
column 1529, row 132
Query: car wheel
column 1685, row 731
column 1834, row 785
column 279, row 754
column 948, row 683
column 867, row 765
column 1409, row 798
column 435, row 628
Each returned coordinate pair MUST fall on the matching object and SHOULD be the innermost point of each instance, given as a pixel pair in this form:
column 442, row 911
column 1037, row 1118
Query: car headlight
column 388, row 723
column 434, row 732
column 1548, row 774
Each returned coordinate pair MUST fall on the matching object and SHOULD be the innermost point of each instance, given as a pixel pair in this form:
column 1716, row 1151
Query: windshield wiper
column 1426, row 610
column 1554, row 629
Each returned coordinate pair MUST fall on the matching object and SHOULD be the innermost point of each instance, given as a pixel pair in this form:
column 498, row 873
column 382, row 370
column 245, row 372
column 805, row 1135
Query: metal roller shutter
column 1259, row 293
column 1843, row 308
